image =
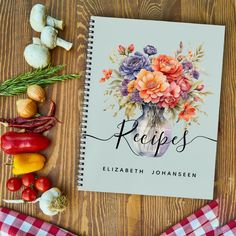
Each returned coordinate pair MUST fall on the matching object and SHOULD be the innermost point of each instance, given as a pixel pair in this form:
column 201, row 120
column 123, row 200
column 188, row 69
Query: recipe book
column 151, row 107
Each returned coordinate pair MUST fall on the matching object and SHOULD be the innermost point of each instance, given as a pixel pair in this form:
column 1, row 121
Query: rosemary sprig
column 42, row 77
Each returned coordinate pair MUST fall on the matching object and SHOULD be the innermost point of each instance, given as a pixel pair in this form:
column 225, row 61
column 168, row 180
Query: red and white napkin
column 204, row 222
column 13, row 223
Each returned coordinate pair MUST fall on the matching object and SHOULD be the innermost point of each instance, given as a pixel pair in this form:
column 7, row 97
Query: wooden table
column 101, row 213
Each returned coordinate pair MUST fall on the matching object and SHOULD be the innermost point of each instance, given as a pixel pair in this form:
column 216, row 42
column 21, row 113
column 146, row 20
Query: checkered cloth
column 204, row 222
column 13, row 223
column 228, row 230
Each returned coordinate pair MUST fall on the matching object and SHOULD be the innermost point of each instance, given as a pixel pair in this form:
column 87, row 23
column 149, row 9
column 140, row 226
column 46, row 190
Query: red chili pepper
column 45, row 127
column 52, row 109
column 14, row 143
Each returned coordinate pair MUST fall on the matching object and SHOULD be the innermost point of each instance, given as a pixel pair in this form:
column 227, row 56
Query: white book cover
column 151, row 107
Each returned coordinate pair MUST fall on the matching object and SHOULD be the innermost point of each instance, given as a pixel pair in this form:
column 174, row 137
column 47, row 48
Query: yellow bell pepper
column 27, row 163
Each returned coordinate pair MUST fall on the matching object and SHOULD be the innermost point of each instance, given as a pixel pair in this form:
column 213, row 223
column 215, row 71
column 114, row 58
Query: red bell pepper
column 15, row 143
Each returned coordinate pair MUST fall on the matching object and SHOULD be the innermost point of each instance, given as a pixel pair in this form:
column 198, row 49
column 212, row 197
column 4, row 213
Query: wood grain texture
column 103, row 213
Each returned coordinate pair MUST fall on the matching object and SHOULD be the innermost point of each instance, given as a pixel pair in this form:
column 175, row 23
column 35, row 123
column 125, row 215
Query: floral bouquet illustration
column 166, row 88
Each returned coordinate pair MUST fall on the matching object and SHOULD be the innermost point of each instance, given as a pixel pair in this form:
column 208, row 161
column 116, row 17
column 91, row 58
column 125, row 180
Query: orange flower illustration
column 107, row 75
column 169, row 66
column 131, row 86
column 188, row 112
column 151, row 85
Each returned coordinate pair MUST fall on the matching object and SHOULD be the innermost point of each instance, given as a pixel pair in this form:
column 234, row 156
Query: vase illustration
column 149, row 127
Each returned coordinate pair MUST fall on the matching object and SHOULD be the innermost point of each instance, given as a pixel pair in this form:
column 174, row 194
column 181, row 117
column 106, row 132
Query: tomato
column 14, row 184
column 43, row 184
column 28, row 180
column 29, row 194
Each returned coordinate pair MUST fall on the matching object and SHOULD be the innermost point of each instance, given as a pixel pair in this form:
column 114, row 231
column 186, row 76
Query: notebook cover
column 151, row 107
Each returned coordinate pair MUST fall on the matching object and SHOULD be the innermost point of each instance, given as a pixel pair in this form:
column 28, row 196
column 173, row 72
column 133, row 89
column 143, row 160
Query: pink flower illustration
column 121, row 50
column 171, row 96
column 184, row 84
column 199, row 87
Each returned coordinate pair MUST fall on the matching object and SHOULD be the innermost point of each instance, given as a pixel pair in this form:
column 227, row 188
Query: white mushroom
column 39, row 18
column 49, row 39
column 37, row 55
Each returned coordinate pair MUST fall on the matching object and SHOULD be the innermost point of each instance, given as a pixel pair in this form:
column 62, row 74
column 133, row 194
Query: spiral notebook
column 151, row 107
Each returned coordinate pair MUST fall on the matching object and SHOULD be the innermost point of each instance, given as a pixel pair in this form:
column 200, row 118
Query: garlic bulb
column 26, row 108
column 52, row 202
column 36, row 93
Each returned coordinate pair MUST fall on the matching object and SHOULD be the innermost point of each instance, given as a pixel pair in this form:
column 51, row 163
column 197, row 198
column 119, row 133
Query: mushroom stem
column 64, row 44
column 59, row 24
column 36, row 41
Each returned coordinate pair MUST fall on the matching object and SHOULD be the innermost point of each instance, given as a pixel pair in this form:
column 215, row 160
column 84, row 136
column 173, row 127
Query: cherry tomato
column 29, row 194
column 14, row 184
column 28, row 180
column 43, row 184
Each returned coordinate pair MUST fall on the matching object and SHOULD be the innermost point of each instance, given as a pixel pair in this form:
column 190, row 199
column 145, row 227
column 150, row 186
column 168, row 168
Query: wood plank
column 14, row 35
column 222, row 12
column 113, row 214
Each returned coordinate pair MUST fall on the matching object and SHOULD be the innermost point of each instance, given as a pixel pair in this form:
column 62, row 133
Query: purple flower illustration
column 187, row 65
column 123, row 88
column 150, row 50
column 195, row 74
column 131, row 65
column 184, row 95
column 135, row 97
column 124, row 91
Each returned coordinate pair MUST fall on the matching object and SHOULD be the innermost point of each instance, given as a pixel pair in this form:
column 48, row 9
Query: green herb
column 42, row 77
column 199, row 54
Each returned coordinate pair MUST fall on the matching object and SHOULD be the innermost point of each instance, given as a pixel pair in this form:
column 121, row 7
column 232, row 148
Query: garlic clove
column 36, row 92
column 26, row 108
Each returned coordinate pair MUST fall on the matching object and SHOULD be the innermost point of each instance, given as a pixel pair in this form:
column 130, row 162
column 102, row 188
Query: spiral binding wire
column 85, row 103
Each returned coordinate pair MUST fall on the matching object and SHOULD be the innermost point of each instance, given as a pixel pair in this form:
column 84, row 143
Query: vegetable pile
column 24, row 146
column 28, row 138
